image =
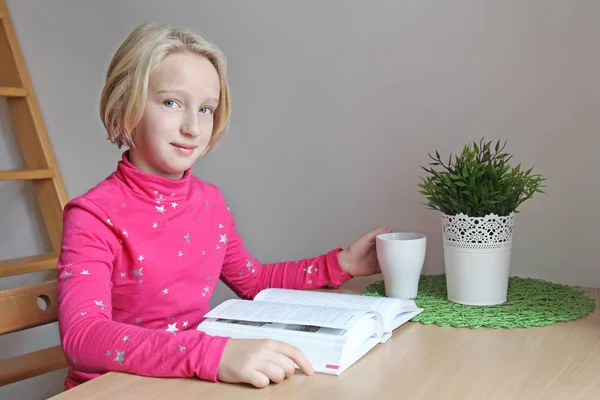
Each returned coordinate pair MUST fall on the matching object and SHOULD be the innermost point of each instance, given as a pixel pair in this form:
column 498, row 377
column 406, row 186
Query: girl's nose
column 190, row 126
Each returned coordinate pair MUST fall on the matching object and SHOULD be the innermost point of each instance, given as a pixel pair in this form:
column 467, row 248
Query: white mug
column 401, row 256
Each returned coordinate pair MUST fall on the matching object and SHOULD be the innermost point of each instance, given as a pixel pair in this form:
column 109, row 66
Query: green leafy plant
column 478, row 182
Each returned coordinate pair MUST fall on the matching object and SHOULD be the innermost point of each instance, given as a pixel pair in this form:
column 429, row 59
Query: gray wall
column 335, row 106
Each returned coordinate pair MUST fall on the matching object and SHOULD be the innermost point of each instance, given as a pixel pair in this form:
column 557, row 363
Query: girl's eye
column 170, row 103
column 206, row 110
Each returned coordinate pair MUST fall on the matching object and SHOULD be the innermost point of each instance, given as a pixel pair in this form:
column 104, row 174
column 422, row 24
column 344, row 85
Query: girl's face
column 177, row 123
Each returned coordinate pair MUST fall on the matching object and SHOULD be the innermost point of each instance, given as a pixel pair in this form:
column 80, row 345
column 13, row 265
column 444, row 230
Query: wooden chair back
column 28, row 307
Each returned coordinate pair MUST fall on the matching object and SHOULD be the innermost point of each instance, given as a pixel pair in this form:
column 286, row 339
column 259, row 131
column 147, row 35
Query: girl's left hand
column 360, row 258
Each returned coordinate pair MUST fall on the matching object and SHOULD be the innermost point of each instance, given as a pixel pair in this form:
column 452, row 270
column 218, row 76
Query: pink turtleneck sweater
column 140, row 260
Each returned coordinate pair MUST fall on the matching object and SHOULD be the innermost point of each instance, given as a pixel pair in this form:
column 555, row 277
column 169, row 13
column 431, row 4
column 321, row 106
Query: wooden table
column 560, row 361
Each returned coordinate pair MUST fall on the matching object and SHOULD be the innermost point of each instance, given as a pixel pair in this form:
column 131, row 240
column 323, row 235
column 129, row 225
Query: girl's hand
column 360, row 258
column 259, row 362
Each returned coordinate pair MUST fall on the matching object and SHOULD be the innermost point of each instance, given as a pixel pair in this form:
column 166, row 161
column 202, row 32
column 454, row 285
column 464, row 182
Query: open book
column 333, row 330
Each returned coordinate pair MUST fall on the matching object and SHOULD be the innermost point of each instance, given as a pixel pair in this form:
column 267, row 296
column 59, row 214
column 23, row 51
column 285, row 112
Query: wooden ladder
column 19, row 308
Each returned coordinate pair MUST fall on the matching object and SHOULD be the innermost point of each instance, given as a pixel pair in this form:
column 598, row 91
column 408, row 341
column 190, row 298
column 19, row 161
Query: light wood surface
column 12, row 92
column 560, row 361
column 26, row 174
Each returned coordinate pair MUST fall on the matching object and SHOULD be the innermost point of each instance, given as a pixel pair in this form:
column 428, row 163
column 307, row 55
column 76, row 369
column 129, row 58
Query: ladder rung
column 12, row 92
column 29, row 264
column 26, row 174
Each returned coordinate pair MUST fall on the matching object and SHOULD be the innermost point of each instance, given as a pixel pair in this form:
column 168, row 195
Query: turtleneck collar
column 152, row 186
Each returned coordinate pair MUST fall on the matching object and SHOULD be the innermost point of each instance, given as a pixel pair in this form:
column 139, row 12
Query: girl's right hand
column 260, row 361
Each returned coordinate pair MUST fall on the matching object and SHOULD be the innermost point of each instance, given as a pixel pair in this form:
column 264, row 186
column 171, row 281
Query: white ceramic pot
column 477, row 254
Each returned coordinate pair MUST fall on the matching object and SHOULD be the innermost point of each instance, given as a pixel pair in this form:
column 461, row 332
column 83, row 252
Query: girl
column 142, row 251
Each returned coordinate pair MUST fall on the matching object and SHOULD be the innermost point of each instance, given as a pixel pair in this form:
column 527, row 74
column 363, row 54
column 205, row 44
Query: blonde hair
column 124, row 94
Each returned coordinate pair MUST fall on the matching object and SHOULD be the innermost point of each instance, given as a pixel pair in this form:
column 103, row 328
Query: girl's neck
column 140, row 163
column 155, row 187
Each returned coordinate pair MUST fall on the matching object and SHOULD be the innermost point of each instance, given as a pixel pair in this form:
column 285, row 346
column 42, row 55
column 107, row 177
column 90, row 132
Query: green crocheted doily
column 530, row 302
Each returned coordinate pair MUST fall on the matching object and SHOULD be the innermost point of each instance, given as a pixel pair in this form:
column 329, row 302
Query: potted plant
column 478, row 193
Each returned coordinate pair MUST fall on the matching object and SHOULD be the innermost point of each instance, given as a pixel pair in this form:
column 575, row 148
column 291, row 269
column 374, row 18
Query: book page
column 312, row 329
column 383, row 305
column 257, row 311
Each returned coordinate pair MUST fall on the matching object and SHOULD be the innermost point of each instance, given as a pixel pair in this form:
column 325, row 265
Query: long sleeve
column 95, row 343
column 246, row 276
